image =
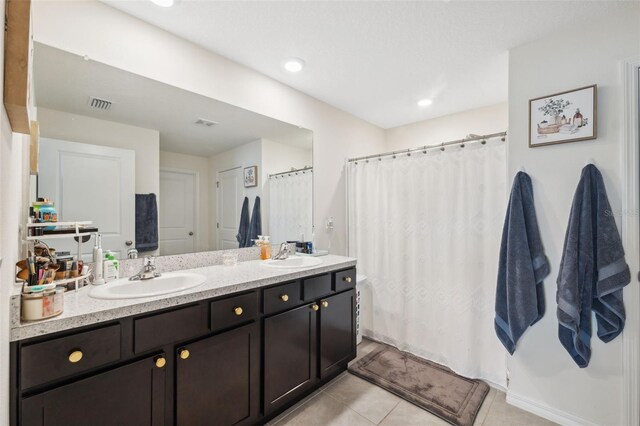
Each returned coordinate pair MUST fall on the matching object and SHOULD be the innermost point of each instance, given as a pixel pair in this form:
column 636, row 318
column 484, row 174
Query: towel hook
column 591, row 161
column 442, row 148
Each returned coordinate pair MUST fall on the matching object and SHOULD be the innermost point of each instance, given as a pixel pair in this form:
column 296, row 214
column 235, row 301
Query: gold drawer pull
column 346, row 279
column 285, row 297
column 237, row 310
column 160, row 362
column 184, row 353
column 325, row 304
column 315, row 307
column 75, row 356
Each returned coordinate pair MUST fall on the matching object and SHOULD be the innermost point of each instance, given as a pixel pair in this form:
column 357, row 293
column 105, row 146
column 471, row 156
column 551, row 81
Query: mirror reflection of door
column 230, row 199
column 90, row 182
column 177, row 224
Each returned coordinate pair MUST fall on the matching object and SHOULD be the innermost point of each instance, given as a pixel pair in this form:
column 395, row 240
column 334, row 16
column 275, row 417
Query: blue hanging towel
column 593, row 270
column 243, row 229
column 146, row 222
column 255, row 228
column 523, row 265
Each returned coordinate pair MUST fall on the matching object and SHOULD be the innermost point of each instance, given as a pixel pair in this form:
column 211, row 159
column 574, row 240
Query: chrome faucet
column 148, row 270
column 284, row 252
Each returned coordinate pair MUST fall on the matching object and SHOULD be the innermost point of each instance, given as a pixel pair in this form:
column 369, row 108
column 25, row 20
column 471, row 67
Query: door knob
column 284, row 297
column 75, row 356
column 128, row 242
column 184, row 353
column 160, row 362
column 347, row 279
column 325, row 304
column 315, row 307
column 191, row 233
column 237, row 310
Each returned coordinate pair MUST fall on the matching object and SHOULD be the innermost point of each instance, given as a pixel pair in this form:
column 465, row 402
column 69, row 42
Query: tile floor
column 350, row 401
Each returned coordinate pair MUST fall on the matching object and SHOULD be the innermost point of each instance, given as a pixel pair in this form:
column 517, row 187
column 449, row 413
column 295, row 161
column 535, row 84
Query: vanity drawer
column 154, row 331
column 54, row 359
column 344, row 280
column 313, row 288
column 233, row 310
column 280, row 298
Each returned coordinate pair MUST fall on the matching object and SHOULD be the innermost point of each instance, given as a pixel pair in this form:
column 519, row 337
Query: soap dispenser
column 97, row 261
column 265, row 248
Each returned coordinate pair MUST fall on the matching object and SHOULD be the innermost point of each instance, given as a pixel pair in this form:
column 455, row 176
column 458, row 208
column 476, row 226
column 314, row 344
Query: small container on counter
column 39, row 305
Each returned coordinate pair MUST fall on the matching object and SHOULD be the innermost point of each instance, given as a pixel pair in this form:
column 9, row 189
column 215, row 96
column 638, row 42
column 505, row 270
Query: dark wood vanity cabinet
column 133, row 394
column 337, row 332
column 218, row 379
column 290, row 360
column 242, row 359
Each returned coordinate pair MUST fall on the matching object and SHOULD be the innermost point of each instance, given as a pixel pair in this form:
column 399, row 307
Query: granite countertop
column 80, row 309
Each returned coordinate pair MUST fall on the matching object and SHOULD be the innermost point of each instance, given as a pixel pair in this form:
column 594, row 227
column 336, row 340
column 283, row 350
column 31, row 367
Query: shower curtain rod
column 482, row 138
column 304, row 169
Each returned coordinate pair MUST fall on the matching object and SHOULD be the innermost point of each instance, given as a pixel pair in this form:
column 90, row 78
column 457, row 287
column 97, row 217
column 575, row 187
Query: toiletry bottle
column 265, row 248
column 110, row 267
column 97, row 259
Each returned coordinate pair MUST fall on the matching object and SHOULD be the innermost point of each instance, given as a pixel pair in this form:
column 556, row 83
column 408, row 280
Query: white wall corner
column 630, row 231
column 544, row 411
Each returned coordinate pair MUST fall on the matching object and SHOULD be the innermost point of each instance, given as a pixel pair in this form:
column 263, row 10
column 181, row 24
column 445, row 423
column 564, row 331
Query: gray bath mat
column 426, row 384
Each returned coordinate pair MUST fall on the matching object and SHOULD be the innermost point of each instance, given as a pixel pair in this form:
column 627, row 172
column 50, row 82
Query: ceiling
column 376, row 59
column 64, row 82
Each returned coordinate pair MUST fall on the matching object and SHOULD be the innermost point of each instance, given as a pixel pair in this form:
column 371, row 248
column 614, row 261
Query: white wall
column 119, row 40
column 199, row 165
column 480, row 121
column 249, row 154
column 541, row 370
column 79, row 128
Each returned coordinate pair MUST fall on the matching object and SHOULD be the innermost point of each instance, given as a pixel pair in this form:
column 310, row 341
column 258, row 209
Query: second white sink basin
column 293, row 262
column 171, row 282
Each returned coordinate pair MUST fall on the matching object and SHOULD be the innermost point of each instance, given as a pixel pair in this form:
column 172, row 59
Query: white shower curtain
column 291, row 206
column 426, row 231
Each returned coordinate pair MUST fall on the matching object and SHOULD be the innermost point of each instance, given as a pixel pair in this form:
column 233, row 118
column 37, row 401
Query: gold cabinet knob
column 160, row 362
column 325, row 304
column 75, row 356
column 315, row 307
column 184, row 353
column 347, row 279
column 284, row 297
column 237, row 310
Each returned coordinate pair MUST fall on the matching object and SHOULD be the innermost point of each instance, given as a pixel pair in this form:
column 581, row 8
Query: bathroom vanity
column 240, row 349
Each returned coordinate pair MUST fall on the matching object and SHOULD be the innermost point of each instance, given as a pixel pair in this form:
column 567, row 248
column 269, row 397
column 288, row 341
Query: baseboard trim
column 546, row 412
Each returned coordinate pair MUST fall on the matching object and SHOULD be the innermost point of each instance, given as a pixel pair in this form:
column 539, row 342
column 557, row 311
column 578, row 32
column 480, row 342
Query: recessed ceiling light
column 294, row 64
column 424, row 102
column 163, row 3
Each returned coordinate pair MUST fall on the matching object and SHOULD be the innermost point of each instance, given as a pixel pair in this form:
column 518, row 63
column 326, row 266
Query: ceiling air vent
column 98, row 103
column 205, row 122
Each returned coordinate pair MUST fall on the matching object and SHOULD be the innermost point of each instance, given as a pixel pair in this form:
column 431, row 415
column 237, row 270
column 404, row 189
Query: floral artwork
column 563, row 117
column 250, row 176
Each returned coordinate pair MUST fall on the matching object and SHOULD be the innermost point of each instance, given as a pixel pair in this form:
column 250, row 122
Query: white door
column 90, row 182
column 230, row 198
column 177, row 229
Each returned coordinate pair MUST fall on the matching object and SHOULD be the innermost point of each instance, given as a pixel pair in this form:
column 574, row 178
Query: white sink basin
column 171, row 282
column 293, row 262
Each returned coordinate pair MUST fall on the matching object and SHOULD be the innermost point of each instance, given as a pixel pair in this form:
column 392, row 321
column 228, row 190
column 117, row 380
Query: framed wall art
column 563, row 117
column 250, row 176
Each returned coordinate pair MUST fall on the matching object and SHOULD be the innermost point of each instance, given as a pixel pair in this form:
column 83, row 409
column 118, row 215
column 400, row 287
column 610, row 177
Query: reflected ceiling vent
column 98, row 103
column 205, row 122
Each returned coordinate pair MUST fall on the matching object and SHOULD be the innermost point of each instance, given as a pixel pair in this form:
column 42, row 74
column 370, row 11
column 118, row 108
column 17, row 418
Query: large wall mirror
column 132, row 155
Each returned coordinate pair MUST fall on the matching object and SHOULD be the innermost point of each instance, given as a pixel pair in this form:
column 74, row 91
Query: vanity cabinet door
column 130, row 395
column 337, row 332
column 290, row 357
column 218, row 379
